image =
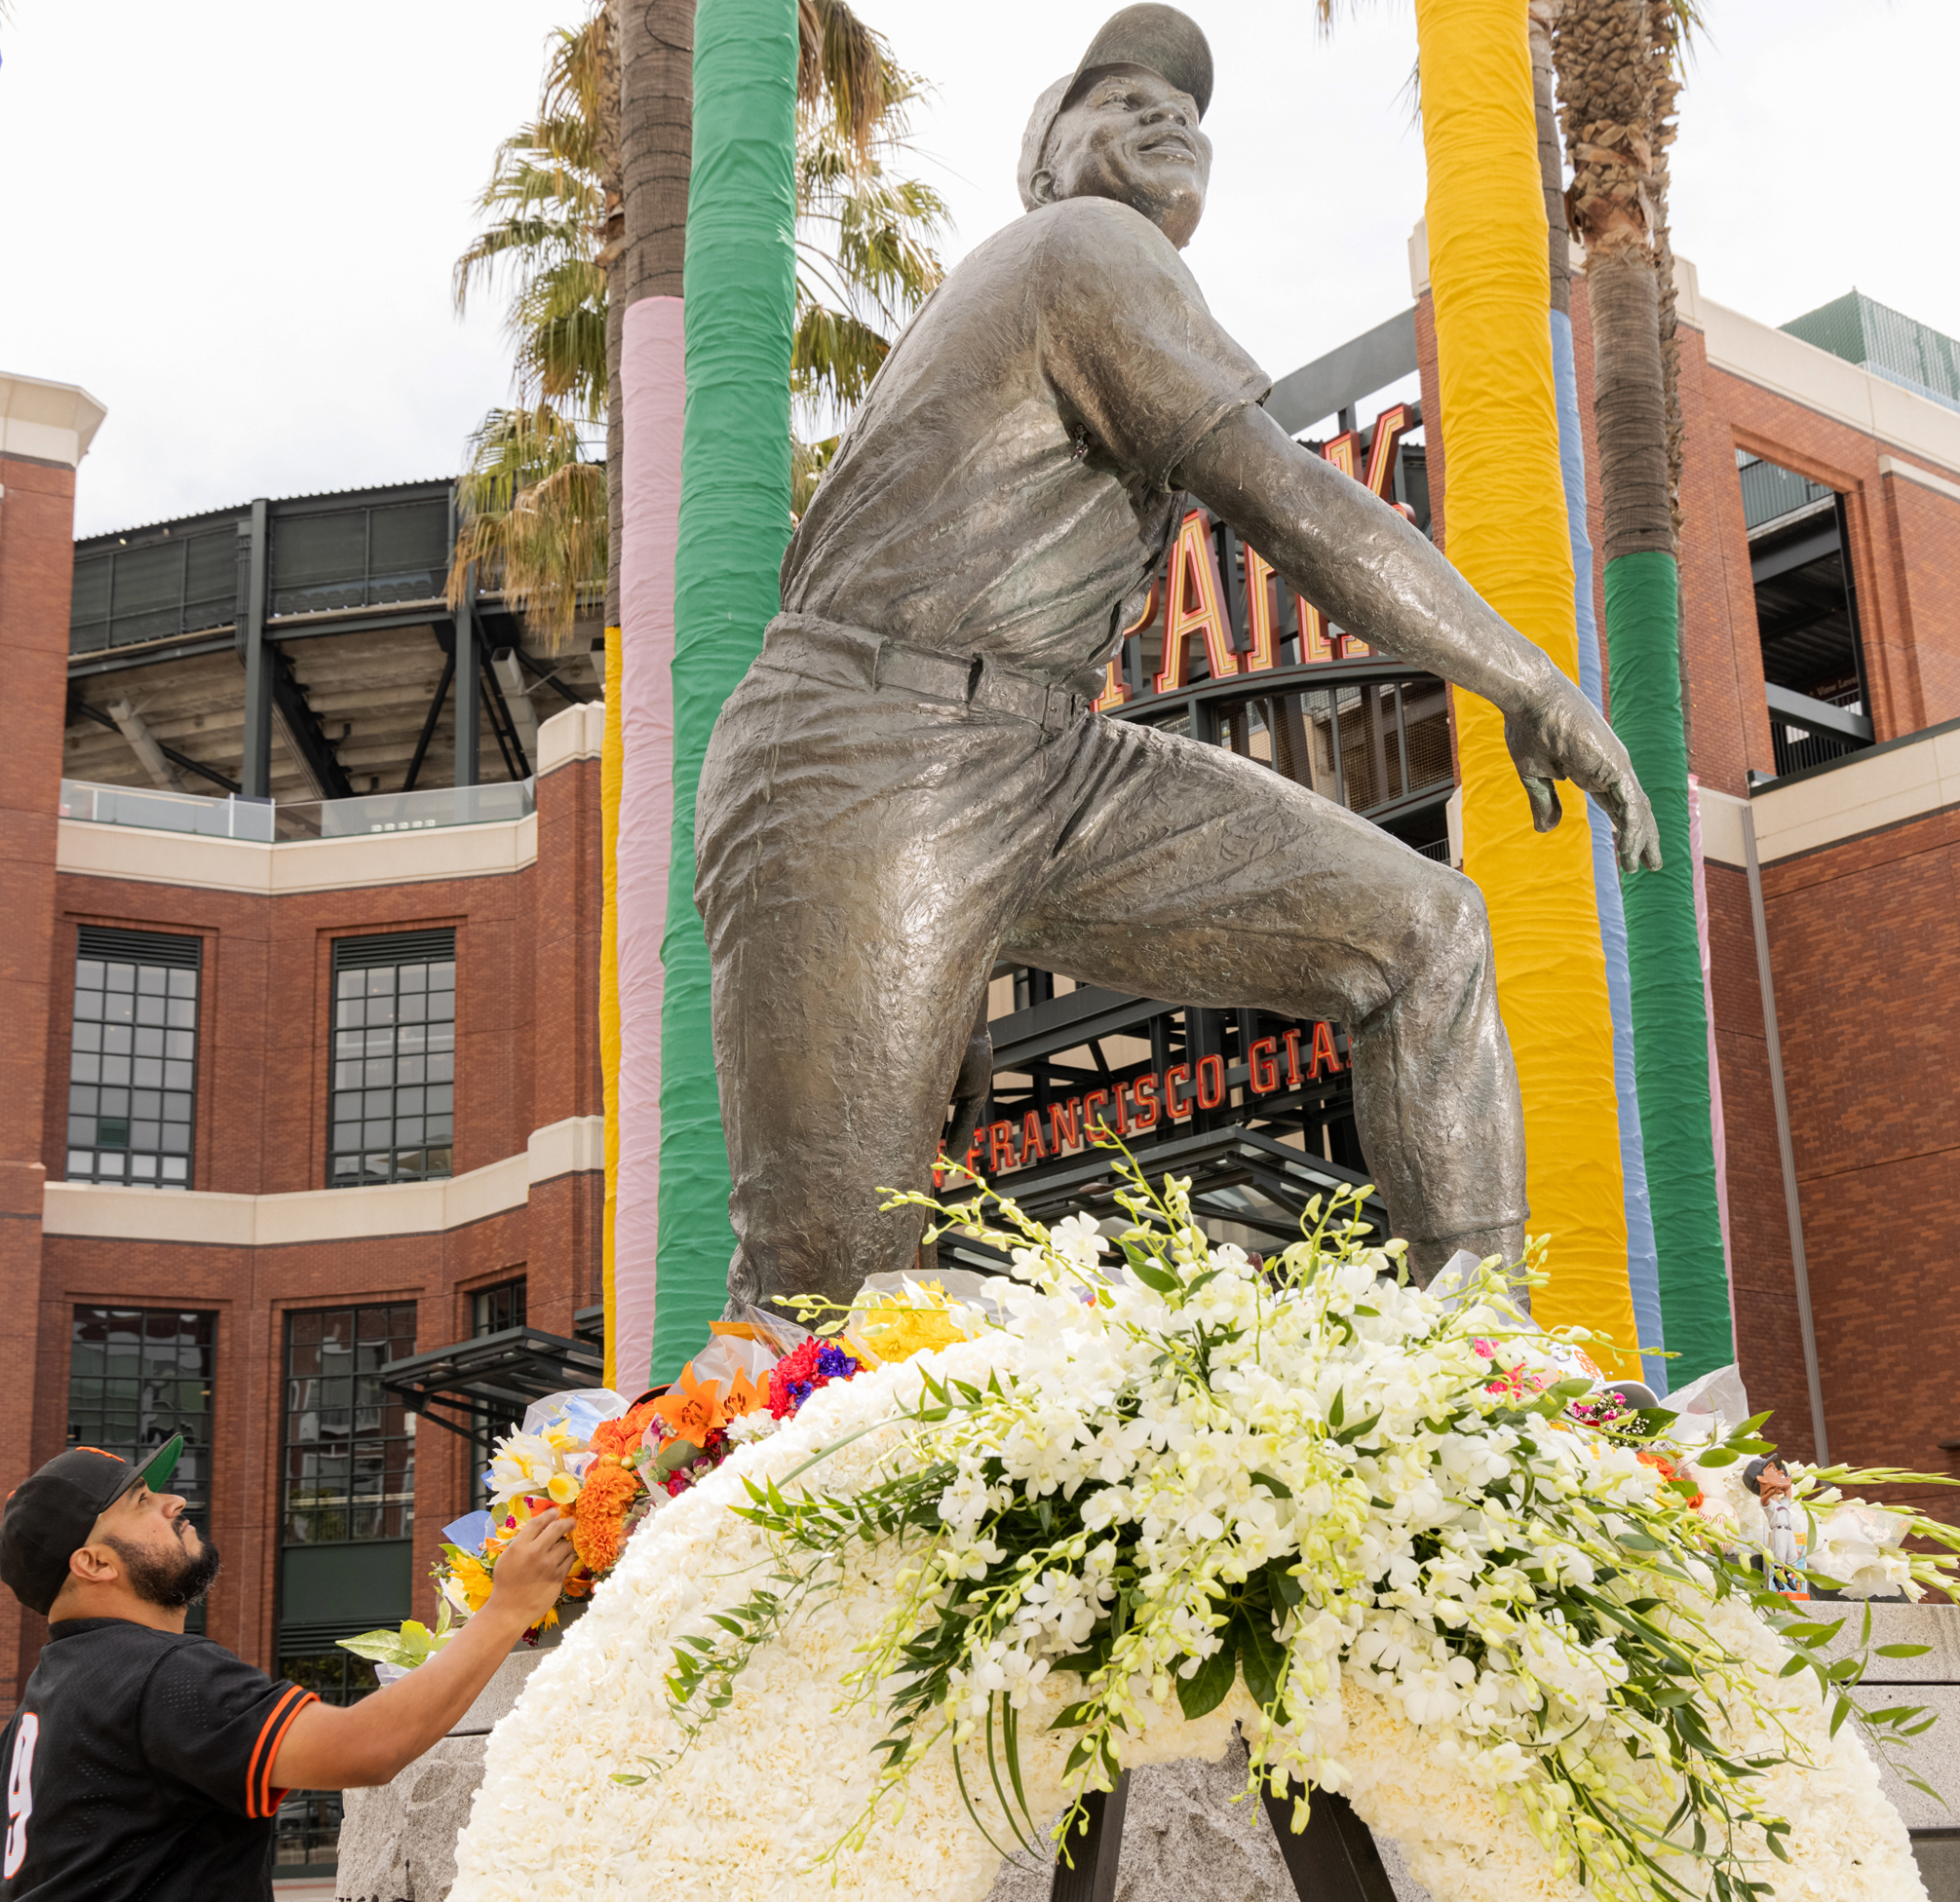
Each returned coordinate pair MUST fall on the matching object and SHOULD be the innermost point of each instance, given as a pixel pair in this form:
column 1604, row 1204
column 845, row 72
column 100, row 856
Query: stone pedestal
column 398, row 1843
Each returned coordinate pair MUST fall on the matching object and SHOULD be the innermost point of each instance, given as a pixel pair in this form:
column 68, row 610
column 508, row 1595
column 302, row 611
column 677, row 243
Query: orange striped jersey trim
column 261, row 1800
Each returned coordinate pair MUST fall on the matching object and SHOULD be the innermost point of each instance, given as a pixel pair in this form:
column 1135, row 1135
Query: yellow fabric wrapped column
column 612, row 762
column 1506, row 535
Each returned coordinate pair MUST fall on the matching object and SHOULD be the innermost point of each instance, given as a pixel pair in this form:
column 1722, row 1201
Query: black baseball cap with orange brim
column 50, row 1516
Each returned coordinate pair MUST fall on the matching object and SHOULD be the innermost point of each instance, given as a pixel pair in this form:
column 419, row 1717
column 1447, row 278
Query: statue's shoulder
column 1092, row 236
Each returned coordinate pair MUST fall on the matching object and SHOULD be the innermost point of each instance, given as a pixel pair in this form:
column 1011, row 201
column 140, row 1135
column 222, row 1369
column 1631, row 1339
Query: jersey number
column 20, row 1793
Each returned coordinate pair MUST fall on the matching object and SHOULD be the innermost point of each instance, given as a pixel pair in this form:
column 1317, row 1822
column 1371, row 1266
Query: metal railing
column 407, row 812
column 159, row 811
column 264, row 823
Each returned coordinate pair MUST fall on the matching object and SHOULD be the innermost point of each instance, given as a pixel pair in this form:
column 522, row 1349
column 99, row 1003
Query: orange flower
column 1667, row 1470
column 693, row 1408
column 599, row 1515
column 743, row 1396
column 623, row 1435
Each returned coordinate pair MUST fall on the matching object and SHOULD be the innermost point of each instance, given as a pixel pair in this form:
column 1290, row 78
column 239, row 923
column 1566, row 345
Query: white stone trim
column 1775, row 361
column 52, row 422
column 100, row 1213
column 1869, row 791
column 1722, row 827
column 493, row 850
column 1911, row 472
column 578, row 733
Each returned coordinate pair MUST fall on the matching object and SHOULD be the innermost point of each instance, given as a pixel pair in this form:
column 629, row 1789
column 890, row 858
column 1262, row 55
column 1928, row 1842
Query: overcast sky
column 234, row 222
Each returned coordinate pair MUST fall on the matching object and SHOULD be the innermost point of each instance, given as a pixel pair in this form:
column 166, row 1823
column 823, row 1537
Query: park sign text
column 1195, row 603
column 1140, row 1104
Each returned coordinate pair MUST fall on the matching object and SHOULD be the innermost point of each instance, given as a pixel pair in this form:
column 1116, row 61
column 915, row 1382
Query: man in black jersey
column 147, row 1765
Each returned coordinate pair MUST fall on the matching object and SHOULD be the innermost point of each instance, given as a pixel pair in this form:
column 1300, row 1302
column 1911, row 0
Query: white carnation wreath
column 738, row 1714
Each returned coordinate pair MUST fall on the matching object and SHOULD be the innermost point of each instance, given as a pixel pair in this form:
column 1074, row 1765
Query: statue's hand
column 1557, row 735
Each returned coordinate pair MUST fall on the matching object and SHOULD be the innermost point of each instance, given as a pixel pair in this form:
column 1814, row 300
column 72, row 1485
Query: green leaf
column 1211, row 1683
column 1155, row 1279
column 1899, row 1651
column 1261, row 1656
column 1280, row 1490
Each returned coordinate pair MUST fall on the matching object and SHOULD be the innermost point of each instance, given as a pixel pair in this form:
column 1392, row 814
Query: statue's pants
column 866, row 852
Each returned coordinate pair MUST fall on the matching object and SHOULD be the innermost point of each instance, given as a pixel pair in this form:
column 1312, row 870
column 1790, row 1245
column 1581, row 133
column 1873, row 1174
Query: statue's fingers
column 1543, row 793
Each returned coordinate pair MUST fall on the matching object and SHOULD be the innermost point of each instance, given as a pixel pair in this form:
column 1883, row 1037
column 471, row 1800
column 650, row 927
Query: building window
column 393, row 1105
column 492, row 1309
column 350, row 1447
column 132, row 1061
column 137, row 1376
column 306, row 1836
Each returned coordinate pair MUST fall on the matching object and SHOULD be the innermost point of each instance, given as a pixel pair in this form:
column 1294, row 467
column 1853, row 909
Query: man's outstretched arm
column 1367, row 568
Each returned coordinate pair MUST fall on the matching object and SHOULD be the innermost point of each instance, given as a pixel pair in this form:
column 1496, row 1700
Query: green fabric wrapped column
column 1671, row 1049
column 740, row 291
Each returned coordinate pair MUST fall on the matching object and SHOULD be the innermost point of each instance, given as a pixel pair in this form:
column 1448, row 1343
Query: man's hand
column 1555, row 734
column 531, row 1573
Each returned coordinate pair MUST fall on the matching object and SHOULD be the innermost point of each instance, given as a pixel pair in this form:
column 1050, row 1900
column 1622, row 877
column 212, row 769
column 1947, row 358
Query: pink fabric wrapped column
column 654, row 391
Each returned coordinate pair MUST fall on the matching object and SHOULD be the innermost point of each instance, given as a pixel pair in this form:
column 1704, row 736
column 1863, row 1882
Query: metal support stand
column 1097, row 1855
column 1334, row 1859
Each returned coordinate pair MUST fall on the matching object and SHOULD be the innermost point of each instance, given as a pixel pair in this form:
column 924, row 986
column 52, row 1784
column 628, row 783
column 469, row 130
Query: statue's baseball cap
column 1157, row 38
column 49, row 1517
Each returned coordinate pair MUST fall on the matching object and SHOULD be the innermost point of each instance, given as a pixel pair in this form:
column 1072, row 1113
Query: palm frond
column 534, row 519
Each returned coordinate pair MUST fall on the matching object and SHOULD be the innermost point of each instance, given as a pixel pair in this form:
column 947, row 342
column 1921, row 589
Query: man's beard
column 174, row 1584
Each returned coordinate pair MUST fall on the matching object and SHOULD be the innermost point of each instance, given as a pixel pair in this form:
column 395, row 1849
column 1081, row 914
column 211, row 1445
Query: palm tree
column 1619, row 75
column 560, row 206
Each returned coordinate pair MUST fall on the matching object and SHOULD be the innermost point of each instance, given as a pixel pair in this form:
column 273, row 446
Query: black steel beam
column 80, row 708
column 469, row 683
column 1798, row 553
column 249, row 630
column 501, row 724
column 549, row 677
column 303, row 729
column 120, row 660
column 434, row 714
column 1061, row 1023
column 364, row 621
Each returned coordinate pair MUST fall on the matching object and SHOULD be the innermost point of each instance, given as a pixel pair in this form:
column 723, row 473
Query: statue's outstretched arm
column 1367, row 569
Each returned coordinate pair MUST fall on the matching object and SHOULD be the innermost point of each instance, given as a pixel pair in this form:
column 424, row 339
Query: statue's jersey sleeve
column 1132, row 353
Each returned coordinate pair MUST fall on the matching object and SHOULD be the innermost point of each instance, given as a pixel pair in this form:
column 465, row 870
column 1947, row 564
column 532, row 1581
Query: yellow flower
column 473, row 1576
column 895, row 1330
column 562, row 1488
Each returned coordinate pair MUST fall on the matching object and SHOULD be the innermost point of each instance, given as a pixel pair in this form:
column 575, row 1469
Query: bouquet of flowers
column 1174, row 1490
column 612, row 1464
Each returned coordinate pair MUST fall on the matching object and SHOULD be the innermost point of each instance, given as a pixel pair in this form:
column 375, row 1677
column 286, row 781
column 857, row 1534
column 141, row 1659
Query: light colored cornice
column 315, row 1215
column 48, row 422
column 1787, row 366
column 295, row 865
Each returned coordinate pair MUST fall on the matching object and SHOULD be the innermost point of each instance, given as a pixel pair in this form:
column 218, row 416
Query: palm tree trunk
column 1615, row 60
column 734, row 525
column 654, row 113
column 1642, row 1265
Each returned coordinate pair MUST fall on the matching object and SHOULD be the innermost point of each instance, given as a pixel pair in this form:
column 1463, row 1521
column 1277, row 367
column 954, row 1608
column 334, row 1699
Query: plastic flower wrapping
column 1155, row 1492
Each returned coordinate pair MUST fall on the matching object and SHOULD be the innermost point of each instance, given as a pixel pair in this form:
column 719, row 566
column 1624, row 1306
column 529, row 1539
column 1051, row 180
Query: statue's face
column 1132, row 137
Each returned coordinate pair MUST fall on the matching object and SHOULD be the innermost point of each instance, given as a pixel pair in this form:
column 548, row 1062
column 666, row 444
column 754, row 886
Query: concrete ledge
column 494, row 849
column 215, row 1220
column 1907, row 779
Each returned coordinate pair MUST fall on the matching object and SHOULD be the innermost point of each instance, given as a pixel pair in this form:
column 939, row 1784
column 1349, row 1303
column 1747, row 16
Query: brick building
column 300, row 1132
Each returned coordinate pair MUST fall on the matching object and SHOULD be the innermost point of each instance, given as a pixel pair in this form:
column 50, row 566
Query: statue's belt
column 830, row 650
